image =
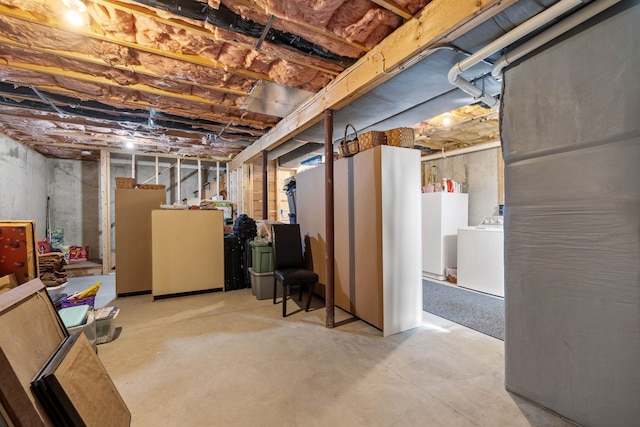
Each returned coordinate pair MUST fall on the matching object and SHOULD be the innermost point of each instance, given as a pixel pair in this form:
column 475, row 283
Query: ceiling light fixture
column 74, row 18
column 446, row 121
column 130, row 144
column 75, row 14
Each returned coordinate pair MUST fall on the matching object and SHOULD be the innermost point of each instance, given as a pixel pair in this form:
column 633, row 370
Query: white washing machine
column 481, row 256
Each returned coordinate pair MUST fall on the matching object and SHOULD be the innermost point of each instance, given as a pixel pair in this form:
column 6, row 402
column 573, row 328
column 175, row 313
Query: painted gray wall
column 478, row 174
column 571, row 139
column 23, row 184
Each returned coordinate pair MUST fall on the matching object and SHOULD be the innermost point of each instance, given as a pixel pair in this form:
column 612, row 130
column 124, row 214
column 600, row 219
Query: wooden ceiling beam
column 309, row 27
column 423, row 142
column 92, row 136
column 57, row 72
column 136, row 9
column 118, row 119
column 392, row 7
column 89, row 78
column 53, row 22
column 103, row 141
column 438, row 23
column 130, row 68
column 81, row 147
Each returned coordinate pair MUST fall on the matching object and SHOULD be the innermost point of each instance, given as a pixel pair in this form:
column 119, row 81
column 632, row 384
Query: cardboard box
column 78, row 253
column 18, row 250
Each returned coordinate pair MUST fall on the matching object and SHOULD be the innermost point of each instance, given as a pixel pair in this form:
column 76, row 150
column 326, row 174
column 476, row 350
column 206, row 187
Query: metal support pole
column 157, row 174
column 133, row 166
column 329, row 254
column 265, row 186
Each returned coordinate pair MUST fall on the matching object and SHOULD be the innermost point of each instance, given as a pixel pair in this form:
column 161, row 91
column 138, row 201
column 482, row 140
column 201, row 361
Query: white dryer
column 481, row 256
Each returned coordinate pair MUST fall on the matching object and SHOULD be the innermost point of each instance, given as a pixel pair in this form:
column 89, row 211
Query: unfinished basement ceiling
column 417, row 91
column 174, row 77
column 214, row 79
column 460, row 128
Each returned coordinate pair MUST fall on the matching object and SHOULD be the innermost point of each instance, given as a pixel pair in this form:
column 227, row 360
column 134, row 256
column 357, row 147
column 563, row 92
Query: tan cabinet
column 133, row 239
column 188, row 251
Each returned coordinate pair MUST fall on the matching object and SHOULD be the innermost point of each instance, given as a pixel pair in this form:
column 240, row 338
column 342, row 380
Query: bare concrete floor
column 227, row 359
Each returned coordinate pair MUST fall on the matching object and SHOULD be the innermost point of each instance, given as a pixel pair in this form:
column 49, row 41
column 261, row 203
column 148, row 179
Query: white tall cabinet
column 442, row 214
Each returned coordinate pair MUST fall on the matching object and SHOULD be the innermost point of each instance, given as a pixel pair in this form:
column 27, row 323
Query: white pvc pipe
column 179, row 179
column 217, row 178
column 199, row 180
column 157, row 175
column 557, row 30
column 512, row 36
column 466, row 150
column 133, row 166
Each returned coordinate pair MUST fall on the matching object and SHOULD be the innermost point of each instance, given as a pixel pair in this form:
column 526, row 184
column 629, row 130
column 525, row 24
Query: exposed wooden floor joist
column 439, row 22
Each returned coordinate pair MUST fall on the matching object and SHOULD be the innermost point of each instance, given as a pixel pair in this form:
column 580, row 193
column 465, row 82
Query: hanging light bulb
column 130, row 144
column 74, row 18
column 446, row 121
column 75, row 14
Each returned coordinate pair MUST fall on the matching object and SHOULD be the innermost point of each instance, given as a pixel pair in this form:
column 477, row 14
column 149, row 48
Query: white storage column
column 387, row 286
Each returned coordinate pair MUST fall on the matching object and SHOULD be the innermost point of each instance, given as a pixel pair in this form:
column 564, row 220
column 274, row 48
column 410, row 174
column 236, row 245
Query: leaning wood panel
column 84, row 387
column 30, row 331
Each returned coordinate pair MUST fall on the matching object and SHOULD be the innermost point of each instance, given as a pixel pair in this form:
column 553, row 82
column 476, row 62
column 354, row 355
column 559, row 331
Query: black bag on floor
column 245, row 228
column 233, row 271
